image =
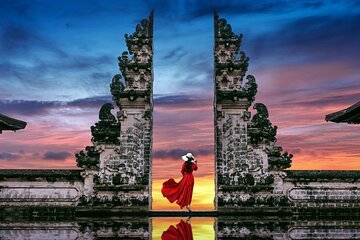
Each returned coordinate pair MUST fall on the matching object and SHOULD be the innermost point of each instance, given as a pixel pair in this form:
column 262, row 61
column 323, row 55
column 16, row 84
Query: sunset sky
column 58, row 58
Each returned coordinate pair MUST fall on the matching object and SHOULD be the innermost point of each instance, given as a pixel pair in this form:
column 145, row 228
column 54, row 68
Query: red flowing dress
column 182, row 191
column 182, row 231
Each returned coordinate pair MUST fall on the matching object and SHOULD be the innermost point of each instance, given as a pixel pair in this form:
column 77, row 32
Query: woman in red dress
column 182, row 191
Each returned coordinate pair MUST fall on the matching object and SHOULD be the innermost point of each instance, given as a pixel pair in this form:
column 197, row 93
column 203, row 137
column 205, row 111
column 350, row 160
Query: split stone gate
column 249, row 168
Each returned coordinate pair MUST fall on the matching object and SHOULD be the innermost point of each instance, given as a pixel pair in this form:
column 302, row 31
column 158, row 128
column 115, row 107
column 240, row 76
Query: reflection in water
column 222, row 227
column 201, row 228
column 288, row 227
column 181, row 231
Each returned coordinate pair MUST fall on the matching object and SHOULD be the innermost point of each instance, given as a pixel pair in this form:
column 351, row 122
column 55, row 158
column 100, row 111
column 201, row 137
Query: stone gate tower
column 245, row 155
column 120, row 160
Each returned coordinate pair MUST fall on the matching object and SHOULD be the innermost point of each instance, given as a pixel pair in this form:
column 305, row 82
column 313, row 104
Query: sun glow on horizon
column 203, row 195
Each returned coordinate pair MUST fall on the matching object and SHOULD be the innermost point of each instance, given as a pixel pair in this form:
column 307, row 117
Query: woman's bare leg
column 188, row 208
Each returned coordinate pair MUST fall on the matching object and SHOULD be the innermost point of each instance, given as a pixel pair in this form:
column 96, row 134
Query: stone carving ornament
column 107, row 130
column 263, row 129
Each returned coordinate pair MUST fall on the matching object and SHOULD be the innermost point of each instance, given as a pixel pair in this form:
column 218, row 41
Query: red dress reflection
column 182, row 231
column 182, row 191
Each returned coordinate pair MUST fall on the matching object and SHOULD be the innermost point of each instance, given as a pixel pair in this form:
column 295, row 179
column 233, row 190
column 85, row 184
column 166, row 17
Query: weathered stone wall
column 322, row 189
column 41, row 187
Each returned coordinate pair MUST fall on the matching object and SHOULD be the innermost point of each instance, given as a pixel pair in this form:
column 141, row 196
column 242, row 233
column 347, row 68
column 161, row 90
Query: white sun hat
column 188, row 156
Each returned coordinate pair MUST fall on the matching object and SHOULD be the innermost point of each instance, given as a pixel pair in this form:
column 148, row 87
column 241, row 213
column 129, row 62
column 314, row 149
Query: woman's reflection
column 182, row 231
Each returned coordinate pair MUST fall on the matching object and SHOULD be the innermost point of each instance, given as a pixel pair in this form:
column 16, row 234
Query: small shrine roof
column 8, row 123
column 349, row 115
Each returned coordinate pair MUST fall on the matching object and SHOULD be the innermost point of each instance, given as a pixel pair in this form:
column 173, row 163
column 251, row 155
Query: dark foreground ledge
column 68, row 213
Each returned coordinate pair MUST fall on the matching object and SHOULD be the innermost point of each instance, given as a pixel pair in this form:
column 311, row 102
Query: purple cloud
column 56, row 155
column 9, row 156
column 33, row 108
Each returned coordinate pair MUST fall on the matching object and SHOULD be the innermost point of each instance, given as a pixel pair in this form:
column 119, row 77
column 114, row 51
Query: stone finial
column 231, row 65
column 135, row 65
column 224, row 34
column 143, row 34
